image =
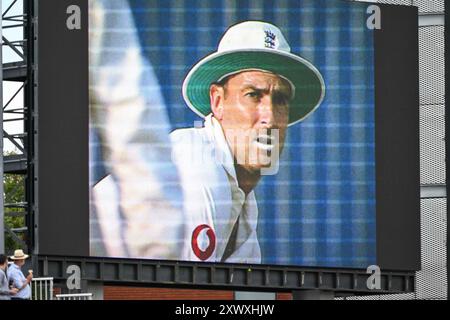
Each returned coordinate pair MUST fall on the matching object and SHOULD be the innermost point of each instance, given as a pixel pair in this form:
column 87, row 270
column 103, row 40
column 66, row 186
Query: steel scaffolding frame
column 17, row 71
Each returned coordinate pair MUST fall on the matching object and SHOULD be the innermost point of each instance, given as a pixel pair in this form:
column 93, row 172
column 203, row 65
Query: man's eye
column 253, row 94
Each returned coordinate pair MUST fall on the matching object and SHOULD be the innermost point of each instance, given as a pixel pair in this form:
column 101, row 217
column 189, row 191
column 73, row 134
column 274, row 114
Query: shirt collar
column 223, row 152
column 15, row 266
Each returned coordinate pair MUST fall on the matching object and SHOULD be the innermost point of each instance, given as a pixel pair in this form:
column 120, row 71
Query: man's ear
column 216, row 97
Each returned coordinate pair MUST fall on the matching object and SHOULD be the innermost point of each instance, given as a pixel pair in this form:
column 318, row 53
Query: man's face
column 20, row 263
column 253, row 108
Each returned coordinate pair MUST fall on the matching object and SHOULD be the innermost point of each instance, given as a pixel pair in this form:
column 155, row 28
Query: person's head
column 19, row 262
column 19, row 257
column 3, row 261
column 253, row 81
column 253, row 109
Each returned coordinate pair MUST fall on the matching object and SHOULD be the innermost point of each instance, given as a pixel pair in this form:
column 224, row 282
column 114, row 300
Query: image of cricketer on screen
column 248, row 92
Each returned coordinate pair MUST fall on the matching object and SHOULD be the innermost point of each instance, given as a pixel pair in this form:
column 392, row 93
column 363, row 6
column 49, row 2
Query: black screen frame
column 62, row 117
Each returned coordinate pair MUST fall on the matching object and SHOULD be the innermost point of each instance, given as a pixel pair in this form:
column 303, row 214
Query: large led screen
column 255, row 132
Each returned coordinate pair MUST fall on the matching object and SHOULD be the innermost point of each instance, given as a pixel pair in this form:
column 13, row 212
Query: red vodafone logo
column 203, row 254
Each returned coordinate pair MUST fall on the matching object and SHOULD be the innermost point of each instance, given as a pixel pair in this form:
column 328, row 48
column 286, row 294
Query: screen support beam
column 312, row 295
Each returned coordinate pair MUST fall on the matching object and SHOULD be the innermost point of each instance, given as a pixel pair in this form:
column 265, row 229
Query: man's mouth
column 265, row 142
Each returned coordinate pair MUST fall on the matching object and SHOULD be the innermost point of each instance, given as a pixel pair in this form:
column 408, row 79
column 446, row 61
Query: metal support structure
column 15, row 21
column 2, row 210
column 29, row 100
column 30, row 123
column 15, row 71
column 433, row 191
column 313, row 295
column 177, row 274
column 431, row 20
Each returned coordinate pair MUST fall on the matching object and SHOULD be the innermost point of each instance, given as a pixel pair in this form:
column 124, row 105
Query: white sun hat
column 19, row 255
column 255, row 45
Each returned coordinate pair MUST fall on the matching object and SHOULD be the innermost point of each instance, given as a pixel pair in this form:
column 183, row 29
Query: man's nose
column 267, row 112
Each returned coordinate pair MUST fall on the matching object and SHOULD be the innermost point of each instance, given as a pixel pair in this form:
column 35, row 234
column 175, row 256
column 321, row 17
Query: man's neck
column 247, row 179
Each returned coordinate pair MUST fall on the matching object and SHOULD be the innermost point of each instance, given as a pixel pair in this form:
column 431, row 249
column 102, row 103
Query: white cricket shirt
column 220, row 220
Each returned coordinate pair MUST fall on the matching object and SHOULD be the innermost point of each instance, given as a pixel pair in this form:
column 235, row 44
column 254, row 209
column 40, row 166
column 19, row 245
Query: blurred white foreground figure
column 136, row 210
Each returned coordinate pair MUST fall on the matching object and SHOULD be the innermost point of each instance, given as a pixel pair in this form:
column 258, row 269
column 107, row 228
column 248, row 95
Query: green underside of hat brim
column 308, row 85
